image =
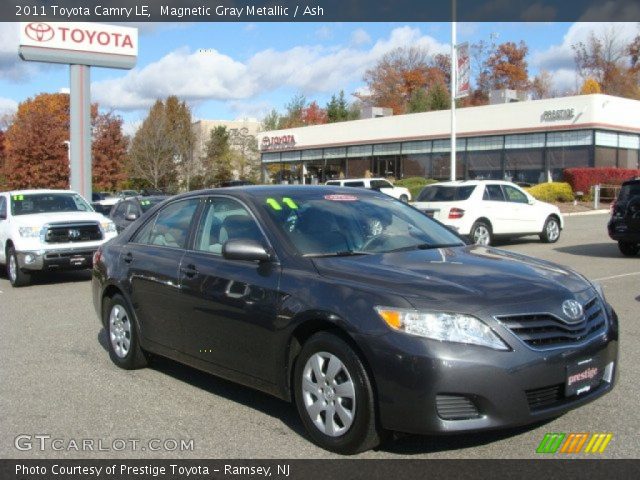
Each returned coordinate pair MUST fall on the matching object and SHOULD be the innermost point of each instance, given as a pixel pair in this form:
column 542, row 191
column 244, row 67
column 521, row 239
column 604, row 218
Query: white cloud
column 7, row 106
column 131, row 127
column 250, row 110
column 324, row 33
column 360, row 37
column 11, row 66
column 211, row 75
column 559, row 59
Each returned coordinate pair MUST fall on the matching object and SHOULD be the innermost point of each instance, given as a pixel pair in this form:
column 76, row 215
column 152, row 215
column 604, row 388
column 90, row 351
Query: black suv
column 624, row 226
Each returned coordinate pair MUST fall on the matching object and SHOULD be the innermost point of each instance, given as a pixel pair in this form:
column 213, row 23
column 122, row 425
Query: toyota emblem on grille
column 572, row 310
column 74, row 234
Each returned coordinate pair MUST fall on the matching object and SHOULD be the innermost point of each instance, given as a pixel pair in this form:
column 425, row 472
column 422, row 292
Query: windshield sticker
column 341, row 198
column 18, row 197
column 145, row 202
column 289, row 203
column 273, row 204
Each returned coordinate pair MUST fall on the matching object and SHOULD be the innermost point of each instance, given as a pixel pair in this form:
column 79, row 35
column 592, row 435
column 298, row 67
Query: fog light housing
column 29, row 258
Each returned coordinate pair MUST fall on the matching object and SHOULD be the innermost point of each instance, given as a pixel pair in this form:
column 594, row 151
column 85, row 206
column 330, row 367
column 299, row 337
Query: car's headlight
column 29, row 232
column 108, row 226
column 598, row 288
column 443, row 326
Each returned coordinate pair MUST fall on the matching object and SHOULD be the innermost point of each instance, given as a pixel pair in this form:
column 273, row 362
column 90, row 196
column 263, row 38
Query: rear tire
column 17, row 277
column 122, row 335
column 480, row 233
column 551, row 230
column 334, row 396
column 629, row 249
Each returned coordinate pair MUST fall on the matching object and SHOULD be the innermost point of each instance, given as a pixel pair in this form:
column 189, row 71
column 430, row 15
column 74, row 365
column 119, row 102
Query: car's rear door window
column 493, row 193
column 354, row 184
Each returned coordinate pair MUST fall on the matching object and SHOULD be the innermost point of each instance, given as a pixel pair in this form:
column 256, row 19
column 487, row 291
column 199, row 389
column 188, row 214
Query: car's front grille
column 456, row 407
column 544, row 330
column 544, row 397
column 73, row 232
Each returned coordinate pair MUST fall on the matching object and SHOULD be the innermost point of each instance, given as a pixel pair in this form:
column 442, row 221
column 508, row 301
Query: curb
column 590, row 212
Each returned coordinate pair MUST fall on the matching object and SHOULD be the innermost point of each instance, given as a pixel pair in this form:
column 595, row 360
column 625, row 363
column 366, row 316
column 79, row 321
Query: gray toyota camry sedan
column 365, row 313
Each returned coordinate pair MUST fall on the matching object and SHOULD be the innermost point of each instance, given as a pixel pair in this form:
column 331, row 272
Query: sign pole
column 454, row 72
column 80, row 126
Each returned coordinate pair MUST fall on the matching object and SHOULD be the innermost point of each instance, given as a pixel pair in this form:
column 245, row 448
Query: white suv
column 380, row 184
column 486, row 209
column 48, row 230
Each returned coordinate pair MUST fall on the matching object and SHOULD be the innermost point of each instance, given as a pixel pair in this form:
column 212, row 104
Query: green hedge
column 415, row 184
column 552, row 192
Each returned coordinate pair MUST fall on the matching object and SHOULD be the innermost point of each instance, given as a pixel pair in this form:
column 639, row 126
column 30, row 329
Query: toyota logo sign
column 39, row 32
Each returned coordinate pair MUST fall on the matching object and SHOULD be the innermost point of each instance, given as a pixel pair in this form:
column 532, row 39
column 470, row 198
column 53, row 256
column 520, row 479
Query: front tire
column 17, row 277
column 404, row 198
column 550, row 231
column 122, row 335
column 334, row 396
column 629, row 249
column 480, row 233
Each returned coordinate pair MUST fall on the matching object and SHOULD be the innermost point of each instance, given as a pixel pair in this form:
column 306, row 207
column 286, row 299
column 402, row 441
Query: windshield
column 441, row 193
column 325, row 224
column 48, row 203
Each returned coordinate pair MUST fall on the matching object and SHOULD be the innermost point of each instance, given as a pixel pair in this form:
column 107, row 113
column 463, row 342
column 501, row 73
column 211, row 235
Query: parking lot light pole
column 454, row 64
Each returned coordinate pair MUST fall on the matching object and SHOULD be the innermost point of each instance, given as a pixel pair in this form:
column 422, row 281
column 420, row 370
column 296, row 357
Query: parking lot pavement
column 56, row 379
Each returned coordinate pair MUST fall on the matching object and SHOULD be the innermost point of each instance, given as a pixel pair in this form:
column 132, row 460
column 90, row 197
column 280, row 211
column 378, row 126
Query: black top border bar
column 319, row 10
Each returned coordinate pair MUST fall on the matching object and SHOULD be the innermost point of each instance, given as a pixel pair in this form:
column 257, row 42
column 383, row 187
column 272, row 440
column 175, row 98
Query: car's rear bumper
column 439, row 390
column 619, row 231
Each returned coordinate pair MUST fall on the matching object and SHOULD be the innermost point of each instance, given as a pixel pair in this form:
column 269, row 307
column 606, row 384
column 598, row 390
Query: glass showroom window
column 484, row 165
column 524, row 166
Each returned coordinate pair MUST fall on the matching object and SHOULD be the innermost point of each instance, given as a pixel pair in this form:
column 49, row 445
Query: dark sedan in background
column 367, row 314
column 624, row 225
column 127, row 211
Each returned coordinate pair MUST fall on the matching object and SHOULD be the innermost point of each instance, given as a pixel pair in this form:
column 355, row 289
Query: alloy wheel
column 553, row 230
column 481, row 235
column 13, row 268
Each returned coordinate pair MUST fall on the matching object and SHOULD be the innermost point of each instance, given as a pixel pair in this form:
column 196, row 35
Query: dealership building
column 529, row 141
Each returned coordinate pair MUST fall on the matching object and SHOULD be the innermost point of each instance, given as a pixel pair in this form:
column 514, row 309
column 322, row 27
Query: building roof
column 565, row 113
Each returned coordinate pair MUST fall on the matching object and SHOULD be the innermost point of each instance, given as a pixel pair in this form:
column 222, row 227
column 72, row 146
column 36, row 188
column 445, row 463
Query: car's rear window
column 441, row 193
column 629, row 191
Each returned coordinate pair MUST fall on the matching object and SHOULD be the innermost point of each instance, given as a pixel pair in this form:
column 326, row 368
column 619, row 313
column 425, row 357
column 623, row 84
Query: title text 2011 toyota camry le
column 366, row 313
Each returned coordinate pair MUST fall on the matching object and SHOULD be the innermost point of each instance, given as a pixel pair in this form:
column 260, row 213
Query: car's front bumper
column 58, row 259
column 419, row 382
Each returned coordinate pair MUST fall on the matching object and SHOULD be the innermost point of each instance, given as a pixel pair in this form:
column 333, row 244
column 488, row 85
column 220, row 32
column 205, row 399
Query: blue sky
column 242, row 70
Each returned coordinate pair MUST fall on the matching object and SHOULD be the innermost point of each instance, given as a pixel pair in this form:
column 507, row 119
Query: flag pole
column 454, row 74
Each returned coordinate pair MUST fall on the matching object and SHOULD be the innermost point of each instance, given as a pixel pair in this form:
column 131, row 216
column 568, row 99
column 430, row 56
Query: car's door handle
column 128, row 258
column 189, row 271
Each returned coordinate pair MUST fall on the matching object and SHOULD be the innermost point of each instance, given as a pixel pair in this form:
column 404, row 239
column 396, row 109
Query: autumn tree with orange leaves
column 36, row 153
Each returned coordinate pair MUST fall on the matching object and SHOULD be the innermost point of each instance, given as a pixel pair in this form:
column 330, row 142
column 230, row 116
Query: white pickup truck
column 48, row 230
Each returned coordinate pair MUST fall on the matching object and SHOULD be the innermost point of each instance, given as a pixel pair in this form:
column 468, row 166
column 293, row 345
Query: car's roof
column 37, row 190
column 148, row 197
column 262, row 190
column 462, row 183
column 633, row 181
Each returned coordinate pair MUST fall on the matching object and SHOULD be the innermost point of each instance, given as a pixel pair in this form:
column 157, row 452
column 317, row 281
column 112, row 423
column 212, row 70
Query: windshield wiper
column 344, row 253
column 425, row 246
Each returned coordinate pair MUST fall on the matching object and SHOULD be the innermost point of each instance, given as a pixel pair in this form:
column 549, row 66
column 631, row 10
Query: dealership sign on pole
column 80, row 45
column 463, row 77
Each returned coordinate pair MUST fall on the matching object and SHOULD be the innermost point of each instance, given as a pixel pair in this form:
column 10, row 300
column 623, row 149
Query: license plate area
column 582, row 377
column 77, row 261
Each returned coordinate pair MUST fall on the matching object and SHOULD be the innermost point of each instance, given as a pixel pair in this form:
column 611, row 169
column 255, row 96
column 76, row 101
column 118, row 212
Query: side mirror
column 245, row 249
column 130, row 217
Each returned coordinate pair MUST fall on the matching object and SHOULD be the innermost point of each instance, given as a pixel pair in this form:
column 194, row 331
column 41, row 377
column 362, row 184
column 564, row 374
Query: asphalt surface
column 56, row 379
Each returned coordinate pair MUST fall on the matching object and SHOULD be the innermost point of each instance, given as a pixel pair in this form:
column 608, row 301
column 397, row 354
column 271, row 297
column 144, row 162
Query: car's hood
column 39, row 219
column 467, row 278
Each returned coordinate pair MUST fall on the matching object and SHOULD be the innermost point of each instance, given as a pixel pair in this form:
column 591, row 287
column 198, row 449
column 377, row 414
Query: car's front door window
column 225, row 219
column 514, row 195
column 170, row 227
